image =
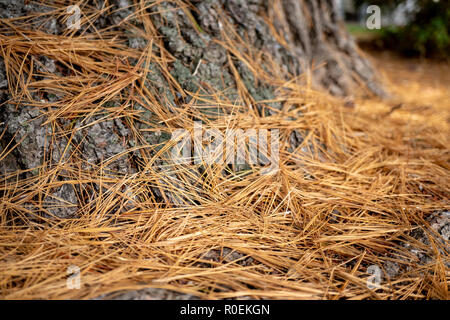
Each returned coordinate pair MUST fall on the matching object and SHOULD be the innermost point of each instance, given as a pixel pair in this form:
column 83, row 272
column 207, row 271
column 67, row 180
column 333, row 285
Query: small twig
column 198, row 66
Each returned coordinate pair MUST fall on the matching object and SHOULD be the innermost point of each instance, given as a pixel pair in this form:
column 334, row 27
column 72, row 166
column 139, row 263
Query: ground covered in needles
column 88, row 178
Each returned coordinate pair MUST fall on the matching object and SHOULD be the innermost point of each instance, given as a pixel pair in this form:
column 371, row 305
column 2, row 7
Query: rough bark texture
column 306, row 35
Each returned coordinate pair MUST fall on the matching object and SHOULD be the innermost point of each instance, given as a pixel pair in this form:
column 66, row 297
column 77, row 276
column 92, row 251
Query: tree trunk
column 303, row 36
column 238, row 49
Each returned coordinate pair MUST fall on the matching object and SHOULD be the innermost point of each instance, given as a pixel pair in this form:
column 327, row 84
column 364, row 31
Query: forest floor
column 91, row 194
column 420, row 90
column 367, row 208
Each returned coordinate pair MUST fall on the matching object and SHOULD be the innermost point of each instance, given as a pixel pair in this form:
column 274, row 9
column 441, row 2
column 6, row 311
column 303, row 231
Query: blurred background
column 415, row 28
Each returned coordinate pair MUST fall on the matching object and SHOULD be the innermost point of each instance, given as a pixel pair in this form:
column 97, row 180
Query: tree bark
column 234, row 47
column 304, row 36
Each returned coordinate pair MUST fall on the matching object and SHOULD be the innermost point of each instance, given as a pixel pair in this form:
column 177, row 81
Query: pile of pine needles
column 367, row 175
